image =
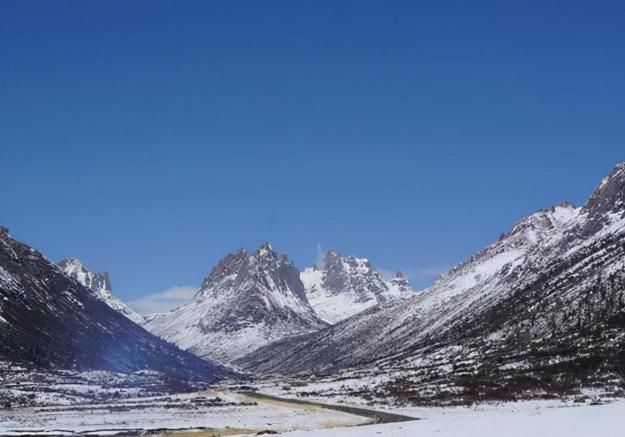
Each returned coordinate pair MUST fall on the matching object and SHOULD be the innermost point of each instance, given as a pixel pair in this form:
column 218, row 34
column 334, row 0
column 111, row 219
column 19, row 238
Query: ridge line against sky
column 149, row 139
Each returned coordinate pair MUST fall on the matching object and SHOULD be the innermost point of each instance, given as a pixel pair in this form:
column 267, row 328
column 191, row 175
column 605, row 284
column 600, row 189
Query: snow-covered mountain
column 340, row 287
column 541, row 308
column 400, row 286
column 248, row 300
column 100, row 286
column 50, row 320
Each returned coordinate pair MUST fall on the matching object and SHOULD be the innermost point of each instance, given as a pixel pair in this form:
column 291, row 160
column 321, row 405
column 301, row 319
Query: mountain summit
column 50, row 320
column 99, row 285
column 542, row 308
column 248, row 300
column 340, row 287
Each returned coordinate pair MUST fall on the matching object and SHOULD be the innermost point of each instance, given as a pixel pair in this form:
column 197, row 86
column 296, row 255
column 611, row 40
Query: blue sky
column 151, row 138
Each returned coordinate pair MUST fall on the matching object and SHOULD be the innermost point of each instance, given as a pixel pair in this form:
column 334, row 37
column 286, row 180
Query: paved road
column 377, row 416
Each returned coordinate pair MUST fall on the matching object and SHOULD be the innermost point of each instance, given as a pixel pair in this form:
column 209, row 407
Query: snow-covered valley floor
column 517, row 419
column 101, row 403
column 216, row 412
column 223, row 412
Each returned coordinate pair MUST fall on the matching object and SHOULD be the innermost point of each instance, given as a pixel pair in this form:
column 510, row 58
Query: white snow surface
column 520, row 419
column 342, row 287
column 175, row 412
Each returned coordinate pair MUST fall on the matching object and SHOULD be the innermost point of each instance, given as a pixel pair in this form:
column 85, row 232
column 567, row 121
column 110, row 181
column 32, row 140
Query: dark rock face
column 336, row 278
column 541, row 310
column 607, row 199
column 356, row 274
column 353, row 273
column 50, row 320
column 263, row 268
column 230, row 265
column 610, row 195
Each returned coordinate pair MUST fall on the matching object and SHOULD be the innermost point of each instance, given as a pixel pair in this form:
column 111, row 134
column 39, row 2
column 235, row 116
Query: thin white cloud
column 429, row 273
column 163, row 301
column 418, row 277
column 320, row 256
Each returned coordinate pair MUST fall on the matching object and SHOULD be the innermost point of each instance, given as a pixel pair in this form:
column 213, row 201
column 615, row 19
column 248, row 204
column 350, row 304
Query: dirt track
column 377, row 416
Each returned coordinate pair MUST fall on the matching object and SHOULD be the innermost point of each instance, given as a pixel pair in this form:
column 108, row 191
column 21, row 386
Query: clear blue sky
column 150, row 138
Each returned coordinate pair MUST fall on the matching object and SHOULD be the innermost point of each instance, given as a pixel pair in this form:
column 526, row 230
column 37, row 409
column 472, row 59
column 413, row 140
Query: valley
column 95, row 404
column 531, row 326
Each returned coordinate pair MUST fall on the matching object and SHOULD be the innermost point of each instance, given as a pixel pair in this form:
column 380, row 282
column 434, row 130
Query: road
column 375, row 415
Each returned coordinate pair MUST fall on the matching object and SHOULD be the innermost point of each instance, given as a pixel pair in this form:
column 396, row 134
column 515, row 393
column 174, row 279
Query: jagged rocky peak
column 249, row 299
column 336, row 278
column 401, row 283
column 263, row 266
column 225, row 270
column 339, row 287
column 609, row 195
column 556, row 217
column 99, row 284
column 342, row 274
column 92, row 280
column 265, row 249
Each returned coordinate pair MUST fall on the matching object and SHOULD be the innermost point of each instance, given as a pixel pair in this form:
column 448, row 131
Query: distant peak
column 331, row 255
column 609, row 196
column 332, row 259
column 399, row 275
column 65, row 262
column 565, row 204
column 94, row 281
column 266, row 247
column 266, row 251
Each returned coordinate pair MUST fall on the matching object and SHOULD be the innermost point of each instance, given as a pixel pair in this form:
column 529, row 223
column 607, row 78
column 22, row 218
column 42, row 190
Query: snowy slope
column 341, row 287
column 50, row 320
column 518, row 419
column 248, row 300
column 547, row 298
column 100, row 286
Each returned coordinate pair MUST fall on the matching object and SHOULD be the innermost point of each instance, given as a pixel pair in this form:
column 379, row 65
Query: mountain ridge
column 247, row 300
column 510, row 306
column 50, row 320
column 100, row 286
column 340, row 287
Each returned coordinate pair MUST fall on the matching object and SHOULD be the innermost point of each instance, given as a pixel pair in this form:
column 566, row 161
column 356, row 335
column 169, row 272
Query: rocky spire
column 99, row 284
column 94, row 281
